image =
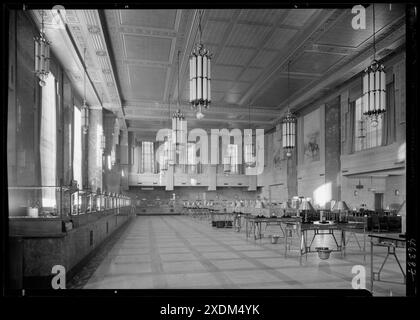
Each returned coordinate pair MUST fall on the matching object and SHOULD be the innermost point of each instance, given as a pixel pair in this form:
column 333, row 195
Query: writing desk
column 391, row 242
column 318, row 230
column 354, row 228
column 254, row 224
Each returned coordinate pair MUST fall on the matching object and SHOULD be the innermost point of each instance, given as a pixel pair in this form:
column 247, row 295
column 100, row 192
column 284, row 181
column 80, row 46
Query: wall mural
column 312, row 136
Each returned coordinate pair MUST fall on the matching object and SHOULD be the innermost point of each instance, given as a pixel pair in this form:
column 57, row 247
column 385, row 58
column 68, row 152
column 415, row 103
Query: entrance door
column 379, row 201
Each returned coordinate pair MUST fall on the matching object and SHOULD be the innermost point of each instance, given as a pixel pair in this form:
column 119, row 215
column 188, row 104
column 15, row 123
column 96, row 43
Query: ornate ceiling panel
column 159, row 19
column 280, row 38
column 272, row 95
column 298, row 18
column 147, row 48
column 132, row 57
column 260, row 16
column 315, row 62
column 146, row 82
column 247, row 35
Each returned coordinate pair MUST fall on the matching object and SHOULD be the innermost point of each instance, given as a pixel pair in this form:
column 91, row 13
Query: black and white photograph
column 210, row 148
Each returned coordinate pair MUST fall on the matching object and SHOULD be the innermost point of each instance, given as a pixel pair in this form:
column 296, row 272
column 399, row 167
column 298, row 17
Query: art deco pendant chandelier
column 289, row 123
column 200, row 78
column 178, row 121
column 374, row 86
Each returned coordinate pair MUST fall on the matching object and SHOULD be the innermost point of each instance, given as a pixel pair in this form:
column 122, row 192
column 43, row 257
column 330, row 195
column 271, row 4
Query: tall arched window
column 147, row 157
column 192, row 157
column 234, row 156
column 48, row 142
column 77, row 153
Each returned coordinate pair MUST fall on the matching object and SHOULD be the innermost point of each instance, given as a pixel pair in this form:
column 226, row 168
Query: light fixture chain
column 42, row 22
column 374, row 32
column 178, row 76
column 288, row 86
column 200, row 12
column 84, row 75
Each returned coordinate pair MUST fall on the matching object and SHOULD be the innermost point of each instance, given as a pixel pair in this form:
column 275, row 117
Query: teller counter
column 66, row 236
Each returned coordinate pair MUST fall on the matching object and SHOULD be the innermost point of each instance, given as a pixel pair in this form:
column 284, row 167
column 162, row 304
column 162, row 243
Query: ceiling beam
column 145, row 118
column 111, row 59
column 358, row 63
column 280, row 64
column 230, row 110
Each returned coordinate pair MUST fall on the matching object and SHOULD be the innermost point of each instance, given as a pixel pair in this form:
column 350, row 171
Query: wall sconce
column 397, row 192
column 356, row 193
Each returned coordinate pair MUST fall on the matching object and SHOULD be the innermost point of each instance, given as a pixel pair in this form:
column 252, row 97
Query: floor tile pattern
column 182, row 252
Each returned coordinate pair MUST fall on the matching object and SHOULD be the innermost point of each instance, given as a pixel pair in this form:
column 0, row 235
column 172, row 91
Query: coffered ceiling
column 133, row 56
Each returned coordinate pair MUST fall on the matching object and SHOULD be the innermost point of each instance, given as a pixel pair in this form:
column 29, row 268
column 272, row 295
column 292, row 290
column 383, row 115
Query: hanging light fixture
column 249, row 146
column 374, row 86
column 85, row 108
column 177, row 129
column 200, row 92
column 42, row 55
column 289, row 122
column 178, row 122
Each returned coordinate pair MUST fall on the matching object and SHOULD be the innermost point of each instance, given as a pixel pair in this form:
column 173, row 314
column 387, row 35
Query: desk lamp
column 305, row 207
column 341, row 207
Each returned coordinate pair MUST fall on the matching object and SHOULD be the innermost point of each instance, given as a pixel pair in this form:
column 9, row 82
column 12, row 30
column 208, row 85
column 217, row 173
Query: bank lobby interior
column 285, row 167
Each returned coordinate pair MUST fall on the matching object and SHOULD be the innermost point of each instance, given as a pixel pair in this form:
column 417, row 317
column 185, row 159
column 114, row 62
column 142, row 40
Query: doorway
column 379, row 201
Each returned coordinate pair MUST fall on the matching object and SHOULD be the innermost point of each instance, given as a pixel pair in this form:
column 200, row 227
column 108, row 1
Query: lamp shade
column 340, row 206
column 306, row 205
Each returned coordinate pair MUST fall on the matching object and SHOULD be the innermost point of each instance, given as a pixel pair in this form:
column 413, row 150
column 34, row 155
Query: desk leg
column 364, row 245
column 246, row 229
column 343, row 242
column 371, row 267
column 398, row 261
column 357, row 240
column 335, row 240
column 313, row 238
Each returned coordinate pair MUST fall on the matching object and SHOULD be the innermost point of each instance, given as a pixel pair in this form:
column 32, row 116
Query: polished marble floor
column 182, row 252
